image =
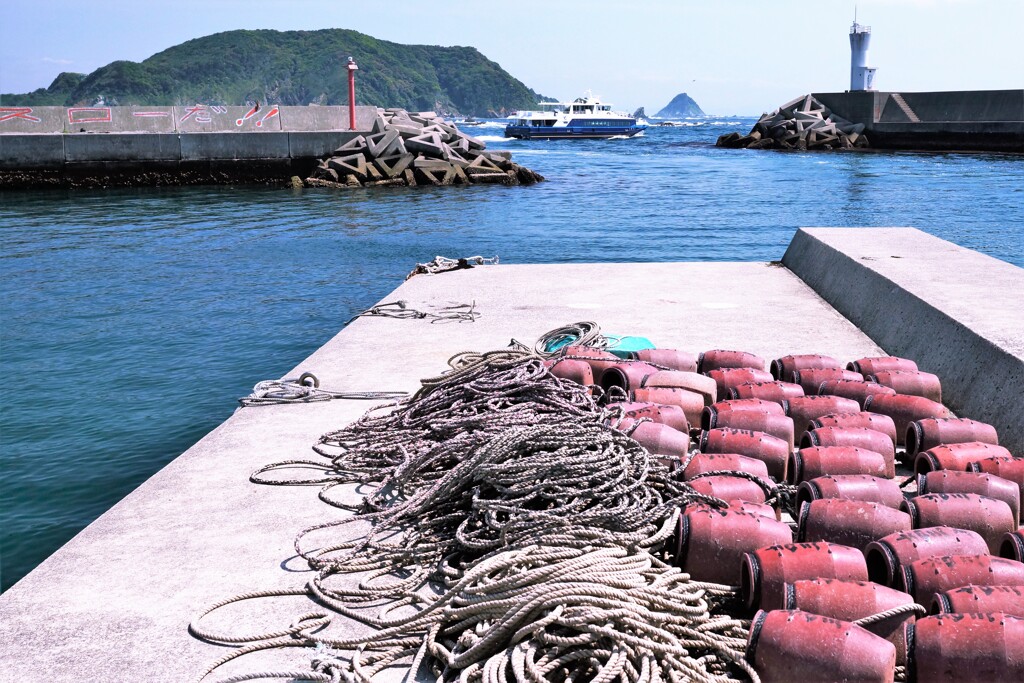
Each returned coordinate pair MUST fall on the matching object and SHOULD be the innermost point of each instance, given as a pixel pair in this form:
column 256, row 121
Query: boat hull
column 571, row 132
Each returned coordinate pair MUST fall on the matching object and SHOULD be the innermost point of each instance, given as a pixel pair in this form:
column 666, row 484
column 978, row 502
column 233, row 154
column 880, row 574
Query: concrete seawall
column 959, row 313
column 981, row 120
column 115, row 602
column 125, row 140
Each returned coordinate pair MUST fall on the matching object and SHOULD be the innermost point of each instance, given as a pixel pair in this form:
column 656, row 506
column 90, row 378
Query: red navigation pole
column 352, row 93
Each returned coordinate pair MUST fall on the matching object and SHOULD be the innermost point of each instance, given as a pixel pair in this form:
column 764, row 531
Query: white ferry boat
column 584, row 117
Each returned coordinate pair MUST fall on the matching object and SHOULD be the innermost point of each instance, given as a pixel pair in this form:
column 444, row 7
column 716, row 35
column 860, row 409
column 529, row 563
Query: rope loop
column 306, row 389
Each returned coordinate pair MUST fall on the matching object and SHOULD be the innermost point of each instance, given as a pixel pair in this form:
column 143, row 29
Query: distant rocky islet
column 682, row 106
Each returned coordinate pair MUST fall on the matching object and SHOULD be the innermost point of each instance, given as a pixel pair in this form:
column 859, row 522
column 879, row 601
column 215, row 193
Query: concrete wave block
column 473, row 142
column 453, row 157
column 807, row 116
column 492, row 178
column 459, row 144
column 378, row 143
column 448, row 128
column 397, row 147
column 386, row 182
column 482, row 165
column 379, row 124
column 351, row 164
column 435, row 176
column 426, row 164
column 790, row 107
column 393, row 166
column 356, row 144
column 441, row 132
column 428, row 144
column 500, row 159
column 407, row 130
column 410, row 177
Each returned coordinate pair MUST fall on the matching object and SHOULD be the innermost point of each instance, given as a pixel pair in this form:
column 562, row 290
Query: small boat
column 469, row 121
column 584, row 117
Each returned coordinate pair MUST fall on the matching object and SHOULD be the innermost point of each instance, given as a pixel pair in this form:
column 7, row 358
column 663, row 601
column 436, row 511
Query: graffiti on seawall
column 201, row 113
column 274, row 111
column 88, row 115
column 21, row 113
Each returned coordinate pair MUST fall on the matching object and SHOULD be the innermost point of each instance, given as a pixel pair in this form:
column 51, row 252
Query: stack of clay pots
column 837, row 559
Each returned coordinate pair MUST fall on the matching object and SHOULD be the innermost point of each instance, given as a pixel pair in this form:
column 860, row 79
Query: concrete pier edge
column 958, row 313
column 121, row 138
column 114, row 603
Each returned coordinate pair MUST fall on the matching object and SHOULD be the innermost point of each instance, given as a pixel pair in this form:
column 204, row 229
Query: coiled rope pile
column 497, row 485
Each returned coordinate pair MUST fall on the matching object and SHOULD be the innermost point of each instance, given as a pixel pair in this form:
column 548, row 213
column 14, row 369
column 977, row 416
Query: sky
column 733, row 56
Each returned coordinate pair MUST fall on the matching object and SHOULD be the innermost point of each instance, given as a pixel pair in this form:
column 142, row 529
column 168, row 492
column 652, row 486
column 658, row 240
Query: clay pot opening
column 914, row 437
column 925, row 463
column 613, row 377
column 708, row 418
column 881, row 564
column 795, row 469
column 750, row 580
column 807, row 492
column 1012, row 547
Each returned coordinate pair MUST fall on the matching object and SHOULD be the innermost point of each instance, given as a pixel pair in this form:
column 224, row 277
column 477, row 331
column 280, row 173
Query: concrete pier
column 114, row 603
column 967, row 120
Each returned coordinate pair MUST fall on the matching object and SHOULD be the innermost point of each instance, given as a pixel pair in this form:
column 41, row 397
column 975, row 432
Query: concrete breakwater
column 803, row 123
column 406, row 149
column 967, row 120
column 200, row 144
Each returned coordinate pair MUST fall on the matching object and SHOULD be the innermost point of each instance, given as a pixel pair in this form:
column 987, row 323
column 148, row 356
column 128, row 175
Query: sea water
column 132, row 319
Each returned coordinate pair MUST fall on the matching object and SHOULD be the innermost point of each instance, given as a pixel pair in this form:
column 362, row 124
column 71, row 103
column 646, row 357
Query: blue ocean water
column 131, row 319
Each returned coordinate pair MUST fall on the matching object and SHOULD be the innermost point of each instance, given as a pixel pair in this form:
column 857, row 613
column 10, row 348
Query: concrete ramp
column 958, row 313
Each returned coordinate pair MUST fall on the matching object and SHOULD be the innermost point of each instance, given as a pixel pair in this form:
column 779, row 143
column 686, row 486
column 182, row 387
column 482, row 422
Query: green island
column 296, row 68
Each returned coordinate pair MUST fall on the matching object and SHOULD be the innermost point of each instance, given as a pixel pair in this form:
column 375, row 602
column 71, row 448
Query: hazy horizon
column 740, row 59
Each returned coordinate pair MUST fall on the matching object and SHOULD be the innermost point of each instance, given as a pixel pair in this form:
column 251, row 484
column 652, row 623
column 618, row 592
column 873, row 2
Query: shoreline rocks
column 407, row 149
column 800, row 124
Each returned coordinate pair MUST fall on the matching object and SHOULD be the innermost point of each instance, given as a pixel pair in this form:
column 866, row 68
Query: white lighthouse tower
column 862, row 76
